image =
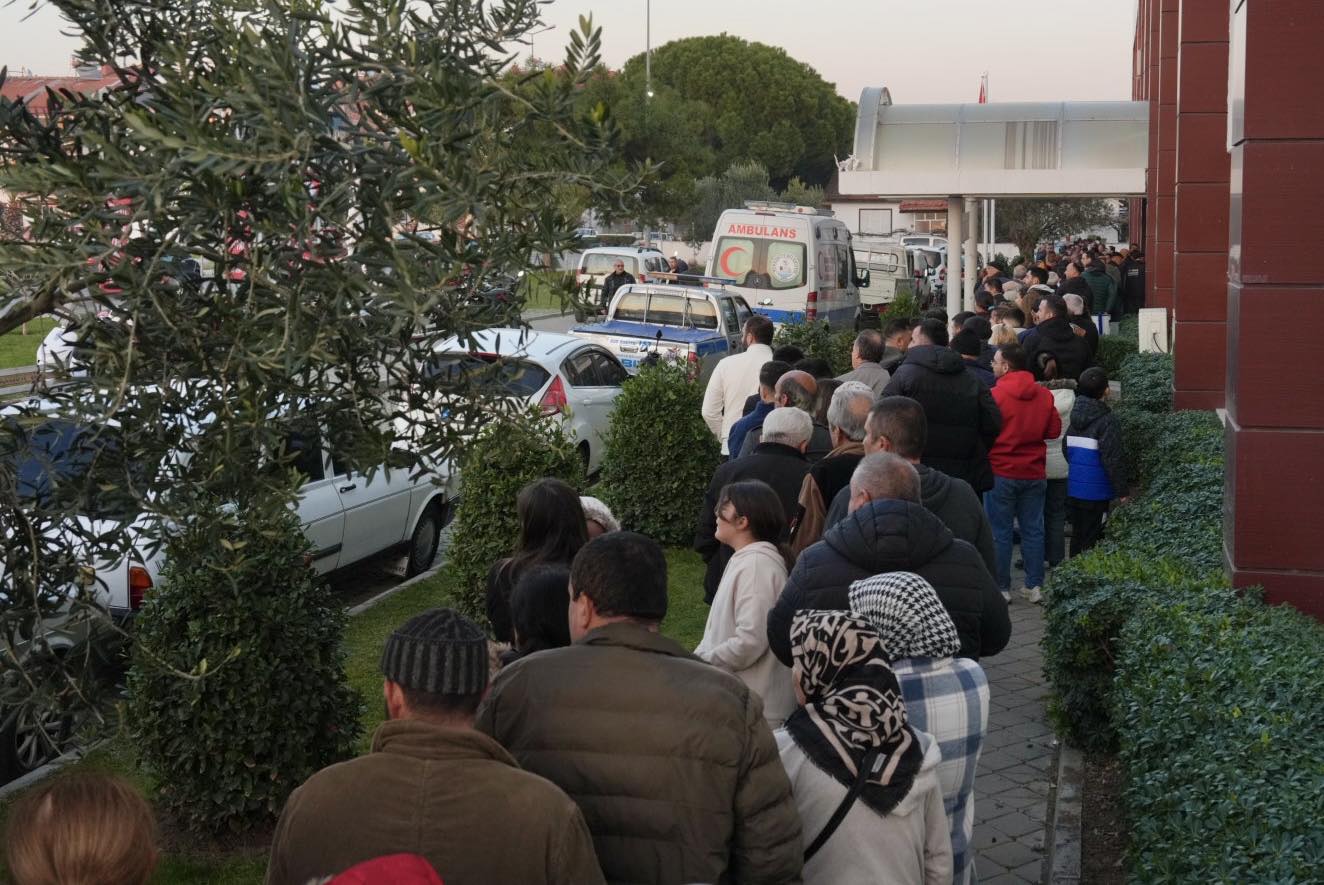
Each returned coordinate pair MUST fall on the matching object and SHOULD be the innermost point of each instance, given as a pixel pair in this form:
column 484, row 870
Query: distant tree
column 1030, row 222
column 802, row 194
column 716, row 193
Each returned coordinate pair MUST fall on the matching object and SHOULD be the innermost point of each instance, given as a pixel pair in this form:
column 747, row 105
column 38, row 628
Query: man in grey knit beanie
column 432, row 785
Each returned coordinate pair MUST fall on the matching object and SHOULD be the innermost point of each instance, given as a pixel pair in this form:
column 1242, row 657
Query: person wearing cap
column 670, row 758
column 432, row 785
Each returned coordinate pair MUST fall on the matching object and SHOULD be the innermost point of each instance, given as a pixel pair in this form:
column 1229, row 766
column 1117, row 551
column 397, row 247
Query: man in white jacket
column 735, row 378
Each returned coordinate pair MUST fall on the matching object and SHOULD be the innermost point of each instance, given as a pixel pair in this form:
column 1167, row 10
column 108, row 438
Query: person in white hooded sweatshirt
column 752, row 522
column 864, row 781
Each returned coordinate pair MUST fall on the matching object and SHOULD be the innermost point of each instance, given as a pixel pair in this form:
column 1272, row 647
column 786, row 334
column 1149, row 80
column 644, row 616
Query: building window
column 930, row 222
column 876, row 221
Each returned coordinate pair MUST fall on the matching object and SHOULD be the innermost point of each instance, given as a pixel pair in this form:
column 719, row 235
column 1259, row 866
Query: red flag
column 983, row 89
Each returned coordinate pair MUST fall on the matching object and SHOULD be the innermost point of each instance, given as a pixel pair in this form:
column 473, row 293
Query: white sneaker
column 1032, row 594
column 1006, row 594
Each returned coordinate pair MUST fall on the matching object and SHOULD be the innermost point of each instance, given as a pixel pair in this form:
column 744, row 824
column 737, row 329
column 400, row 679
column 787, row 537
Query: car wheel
column 26, row 742
column 426, row 538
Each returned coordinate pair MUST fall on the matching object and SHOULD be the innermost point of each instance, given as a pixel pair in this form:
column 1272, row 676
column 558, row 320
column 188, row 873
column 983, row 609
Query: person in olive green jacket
column 432, row 785
column 669, row 758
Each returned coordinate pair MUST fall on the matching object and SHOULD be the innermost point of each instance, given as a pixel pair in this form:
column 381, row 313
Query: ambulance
column 792, row 263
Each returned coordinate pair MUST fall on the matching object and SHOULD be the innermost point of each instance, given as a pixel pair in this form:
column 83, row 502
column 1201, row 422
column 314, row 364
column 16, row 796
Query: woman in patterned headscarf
column 864, row 782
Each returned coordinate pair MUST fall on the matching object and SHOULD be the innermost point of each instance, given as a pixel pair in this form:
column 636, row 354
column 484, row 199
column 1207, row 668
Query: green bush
column 1113, row 350
column 817, row 339
column 509, row 453
column 903, row 305
column 1223, row 747
column 1166, row 544
column 237, row 688
column 1089, row 598
column 1147, row 381
column 660, row 454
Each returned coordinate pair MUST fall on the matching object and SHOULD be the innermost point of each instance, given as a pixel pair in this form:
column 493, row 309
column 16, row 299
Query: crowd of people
column 859, row 540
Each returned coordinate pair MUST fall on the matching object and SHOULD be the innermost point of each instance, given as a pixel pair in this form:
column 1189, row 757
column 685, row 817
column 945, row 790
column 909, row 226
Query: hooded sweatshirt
column 1028, row 418
column 911, row 844
column 736, row 635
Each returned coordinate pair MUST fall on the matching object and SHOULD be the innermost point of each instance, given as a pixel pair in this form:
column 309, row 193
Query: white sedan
column 561, row 374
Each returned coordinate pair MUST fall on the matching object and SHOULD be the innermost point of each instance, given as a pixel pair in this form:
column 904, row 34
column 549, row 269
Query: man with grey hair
column 778, row 460
column 794, row 390
column 1083, row 322
column 889, row 530
column 866, row 354
column 847, row 413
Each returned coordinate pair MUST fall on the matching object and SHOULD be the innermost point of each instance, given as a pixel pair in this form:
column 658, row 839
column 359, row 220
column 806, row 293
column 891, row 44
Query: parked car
column 892, row 272
column 695, row 324
column 347, row 516
column 560, row 374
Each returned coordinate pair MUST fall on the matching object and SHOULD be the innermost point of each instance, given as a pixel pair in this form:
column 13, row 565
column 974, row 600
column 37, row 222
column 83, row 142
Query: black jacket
column 1058, row 337
column 951, row 500
column 1081, row 287
column 1093, row 419
column 1091, row 332
column 964, row 421
column 613, row 282
column 781, row 467
column 892, row 536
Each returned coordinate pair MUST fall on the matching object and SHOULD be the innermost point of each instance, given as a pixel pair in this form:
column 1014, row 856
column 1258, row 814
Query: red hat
column 394, row 869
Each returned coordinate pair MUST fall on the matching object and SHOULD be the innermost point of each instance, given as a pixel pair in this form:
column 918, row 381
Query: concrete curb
column 1063, row 826
column 387, row 594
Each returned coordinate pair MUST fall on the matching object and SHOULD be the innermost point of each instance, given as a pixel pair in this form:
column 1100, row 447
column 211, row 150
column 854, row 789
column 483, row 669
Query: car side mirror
column 862, row 279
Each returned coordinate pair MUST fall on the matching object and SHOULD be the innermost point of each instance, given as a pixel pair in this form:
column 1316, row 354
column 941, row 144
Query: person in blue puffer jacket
column 1097, row 471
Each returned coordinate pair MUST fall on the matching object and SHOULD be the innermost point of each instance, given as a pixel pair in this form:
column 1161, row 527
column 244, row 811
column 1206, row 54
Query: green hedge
column 818, row 340
column 1113, row 351
column 1147, row 381
column 1223, row 744
column 660, row 454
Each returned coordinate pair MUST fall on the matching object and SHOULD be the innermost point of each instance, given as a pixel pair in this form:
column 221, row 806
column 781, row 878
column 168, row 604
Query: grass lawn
column 364, row 638
column 541, row 295
column 17, row 349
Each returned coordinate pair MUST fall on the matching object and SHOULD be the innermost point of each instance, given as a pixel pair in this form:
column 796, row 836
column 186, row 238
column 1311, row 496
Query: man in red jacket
column 1019, row 478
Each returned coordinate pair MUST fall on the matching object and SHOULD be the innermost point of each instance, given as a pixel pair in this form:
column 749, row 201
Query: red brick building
column 1233, row 231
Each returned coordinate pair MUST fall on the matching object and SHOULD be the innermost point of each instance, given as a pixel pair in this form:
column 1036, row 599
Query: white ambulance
column 792, row 263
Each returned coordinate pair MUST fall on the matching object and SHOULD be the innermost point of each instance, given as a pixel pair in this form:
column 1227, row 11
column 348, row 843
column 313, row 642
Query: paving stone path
column 1012, row 784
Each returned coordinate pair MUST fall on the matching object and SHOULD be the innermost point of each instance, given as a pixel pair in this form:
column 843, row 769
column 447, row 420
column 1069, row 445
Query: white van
column 792, row 263
column 891, row 270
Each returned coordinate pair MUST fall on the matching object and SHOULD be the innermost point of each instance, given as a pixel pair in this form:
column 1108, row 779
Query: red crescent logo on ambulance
column 725, row 260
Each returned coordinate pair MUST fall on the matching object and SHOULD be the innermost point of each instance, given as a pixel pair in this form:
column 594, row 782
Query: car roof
column 529, row 343
column 623, row 250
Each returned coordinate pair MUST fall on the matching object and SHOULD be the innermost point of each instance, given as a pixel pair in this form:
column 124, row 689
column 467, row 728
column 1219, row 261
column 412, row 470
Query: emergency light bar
column 687, row 277
column 769, row 206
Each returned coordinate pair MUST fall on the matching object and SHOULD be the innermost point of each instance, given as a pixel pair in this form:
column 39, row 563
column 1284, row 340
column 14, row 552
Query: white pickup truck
column 697, row 324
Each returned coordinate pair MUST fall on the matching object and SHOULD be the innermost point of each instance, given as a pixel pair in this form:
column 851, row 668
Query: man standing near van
column 618, row 277
column 735, row 378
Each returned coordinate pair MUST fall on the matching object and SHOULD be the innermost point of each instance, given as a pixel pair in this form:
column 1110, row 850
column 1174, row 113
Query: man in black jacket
column 1073, row 280
column 618, row 277
column 888, row 530
column 963, row 419
column 897, row 424
column 1053, row 333
column 779, row 461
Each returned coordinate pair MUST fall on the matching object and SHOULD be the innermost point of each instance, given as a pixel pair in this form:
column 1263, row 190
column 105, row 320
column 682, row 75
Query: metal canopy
column 1087, row 149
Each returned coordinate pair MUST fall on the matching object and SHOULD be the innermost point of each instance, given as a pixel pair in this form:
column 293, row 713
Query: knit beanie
column 440, row 652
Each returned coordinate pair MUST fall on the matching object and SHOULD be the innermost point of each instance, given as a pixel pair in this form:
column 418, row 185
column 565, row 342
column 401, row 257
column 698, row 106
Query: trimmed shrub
column 1089, row 599
column 903, row 305
column 1147, row 381
column 1180, row 516
column 1151, row 440
column 1223, row 748
column 508, row 454
column 237, row 690
column 660, row 454
column 818, row 340
column 1113, row 350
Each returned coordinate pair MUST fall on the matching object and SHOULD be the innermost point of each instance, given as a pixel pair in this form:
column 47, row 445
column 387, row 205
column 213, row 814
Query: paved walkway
column 1011, row 787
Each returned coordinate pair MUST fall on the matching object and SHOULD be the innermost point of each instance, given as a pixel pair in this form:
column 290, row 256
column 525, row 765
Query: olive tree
column 280, row 209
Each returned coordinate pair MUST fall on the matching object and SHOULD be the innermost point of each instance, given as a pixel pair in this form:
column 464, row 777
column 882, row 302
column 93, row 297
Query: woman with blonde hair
column 81, row 829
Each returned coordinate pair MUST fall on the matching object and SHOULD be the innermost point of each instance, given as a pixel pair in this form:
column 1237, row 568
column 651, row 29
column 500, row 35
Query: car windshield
column 677, row 310
column 59, row 462
column 603, row 262
column 490, row 373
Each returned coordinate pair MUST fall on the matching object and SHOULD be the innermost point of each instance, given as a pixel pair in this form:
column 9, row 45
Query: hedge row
column 1212, row 699
column 816, row 339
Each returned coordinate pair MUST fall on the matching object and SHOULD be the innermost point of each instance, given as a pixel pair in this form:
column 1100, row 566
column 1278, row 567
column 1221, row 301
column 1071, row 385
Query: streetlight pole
column 648, row 48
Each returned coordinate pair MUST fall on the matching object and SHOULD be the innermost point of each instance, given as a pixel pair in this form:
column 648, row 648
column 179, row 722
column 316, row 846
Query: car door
column 376, row 509
column 590, row 401
column 318, row 504
column 735, row 339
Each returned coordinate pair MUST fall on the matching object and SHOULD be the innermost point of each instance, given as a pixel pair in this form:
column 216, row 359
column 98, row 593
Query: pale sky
column 922, row 50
